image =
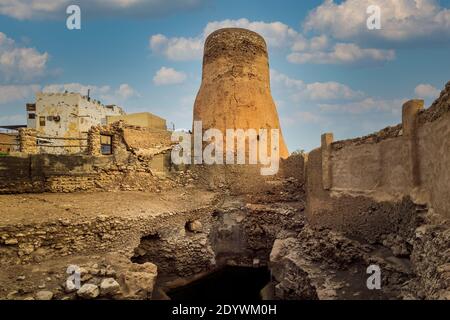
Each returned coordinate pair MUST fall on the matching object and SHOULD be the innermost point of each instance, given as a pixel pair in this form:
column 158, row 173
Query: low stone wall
column 34, row 242
column 68, row 173
column 138, row 156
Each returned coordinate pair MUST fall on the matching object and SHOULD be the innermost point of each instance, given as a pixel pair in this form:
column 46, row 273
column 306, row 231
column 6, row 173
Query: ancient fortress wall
column 364, row 186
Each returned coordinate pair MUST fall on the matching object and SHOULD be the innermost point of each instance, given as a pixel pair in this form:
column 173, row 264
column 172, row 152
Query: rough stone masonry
column 138, row 233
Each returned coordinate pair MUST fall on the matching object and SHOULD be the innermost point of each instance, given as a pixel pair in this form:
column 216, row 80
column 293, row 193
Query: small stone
column 42, row 286
column 44, row 295
column 70, row 286
column 194, row 226
column 20, row 278
column 11, row 241
column 109, row 286
column 11, row 295
column 88, row 291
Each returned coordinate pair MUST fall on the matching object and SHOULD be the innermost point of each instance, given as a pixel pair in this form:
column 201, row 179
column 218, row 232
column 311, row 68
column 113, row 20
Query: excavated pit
column 227, row 283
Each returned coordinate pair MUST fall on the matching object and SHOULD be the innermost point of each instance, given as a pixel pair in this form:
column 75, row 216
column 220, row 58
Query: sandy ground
column 33, row 208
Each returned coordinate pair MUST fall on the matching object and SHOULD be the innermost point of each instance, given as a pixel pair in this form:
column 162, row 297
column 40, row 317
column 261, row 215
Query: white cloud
column 10, row 93
column 125, row 91
column 317, row 49
column 402, row 20
column 366, row 105
column 317, row 91
column 105, row 93
column 286, row 81
column 167, row 76
column 276, row 34
column 177, row 49
column 342, row 53
column 55, row 9
column 426, row 91
column 20, row 63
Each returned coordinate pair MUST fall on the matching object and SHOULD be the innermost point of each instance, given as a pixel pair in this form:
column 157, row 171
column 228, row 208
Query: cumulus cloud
column 20, row 63
column 10, row 93
column 106, row 93
column 276, row 34
column 317, row 49
column 177, row 49
column 55, row 9
column 366, row 105
column 402, row 20
column 342, row 53
column 168, row 76
column 426, row 91
column 316, row 91
column 125, row 91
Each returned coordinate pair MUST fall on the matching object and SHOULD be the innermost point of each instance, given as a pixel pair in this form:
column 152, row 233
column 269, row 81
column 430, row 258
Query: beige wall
column 8, row 139
column 371, row 179
column 434, row 151
column 143, row 119
column 77, row 115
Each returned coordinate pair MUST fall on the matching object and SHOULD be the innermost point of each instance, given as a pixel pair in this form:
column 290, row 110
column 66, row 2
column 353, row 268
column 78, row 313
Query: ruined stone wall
column 359, row 184
column 139, row 155
column 27, row 140
column 34, row 242
column 391, row 188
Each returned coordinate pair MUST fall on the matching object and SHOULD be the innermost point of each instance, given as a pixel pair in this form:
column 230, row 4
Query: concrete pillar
column 28, row 141
column 327, row 178
column 410, row 112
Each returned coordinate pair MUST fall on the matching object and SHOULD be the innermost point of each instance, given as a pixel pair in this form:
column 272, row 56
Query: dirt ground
column 34, row 208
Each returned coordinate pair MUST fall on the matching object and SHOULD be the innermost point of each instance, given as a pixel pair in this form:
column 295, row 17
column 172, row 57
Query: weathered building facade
column 62, row 120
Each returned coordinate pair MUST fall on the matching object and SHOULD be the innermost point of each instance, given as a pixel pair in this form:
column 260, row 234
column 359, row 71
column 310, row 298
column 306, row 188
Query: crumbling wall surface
column 146, row 139
column 382, row 167
column 434, row 151
column 235, row 88
column 139, row 154
column 24, row 243
column 390, row 187
column 357, row 180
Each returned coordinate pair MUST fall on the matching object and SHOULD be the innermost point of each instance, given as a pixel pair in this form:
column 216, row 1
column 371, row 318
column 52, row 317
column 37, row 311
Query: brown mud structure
column 138, row 227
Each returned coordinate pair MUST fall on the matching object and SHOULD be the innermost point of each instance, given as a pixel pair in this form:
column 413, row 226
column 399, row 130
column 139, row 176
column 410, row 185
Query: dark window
column 106, row 144
column 32, row 116
column 42, row 121
column 31, row 107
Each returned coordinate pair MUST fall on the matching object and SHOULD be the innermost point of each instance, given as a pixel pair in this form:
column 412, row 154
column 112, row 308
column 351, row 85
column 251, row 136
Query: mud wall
column 362, row 186
column 69, row 173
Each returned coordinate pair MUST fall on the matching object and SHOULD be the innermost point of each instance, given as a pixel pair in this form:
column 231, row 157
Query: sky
column 329, row 72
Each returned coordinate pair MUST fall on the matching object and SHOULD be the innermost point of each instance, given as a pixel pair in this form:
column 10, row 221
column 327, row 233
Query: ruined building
column 235, row 88
column 310, row 232
column 62, row 120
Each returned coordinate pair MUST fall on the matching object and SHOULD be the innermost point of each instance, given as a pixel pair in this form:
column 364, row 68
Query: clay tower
column 235, row 88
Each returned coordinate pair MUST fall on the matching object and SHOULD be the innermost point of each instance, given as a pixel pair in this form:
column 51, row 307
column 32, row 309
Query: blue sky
column 329, row 73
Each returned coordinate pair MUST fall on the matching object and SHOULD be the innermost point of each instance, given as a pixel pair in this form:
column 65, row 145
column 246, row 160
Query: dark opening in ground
column 228, row 283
